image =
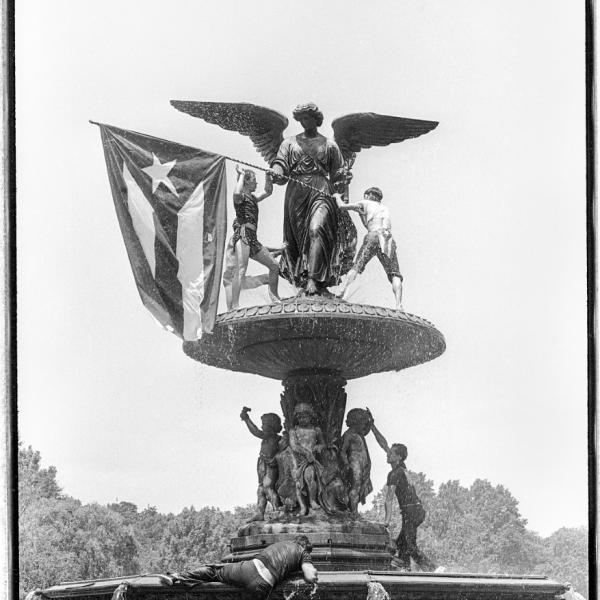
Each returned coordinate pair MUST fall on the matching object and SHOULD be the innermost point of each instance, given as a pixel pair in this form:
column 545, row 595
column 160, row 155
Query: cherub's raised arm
column 254, row 430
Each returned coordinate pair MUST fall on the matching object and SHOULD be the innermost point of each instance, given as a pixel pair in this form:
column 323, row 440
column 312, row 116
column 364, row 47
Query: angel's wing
column 263, row 126
column 363, row 130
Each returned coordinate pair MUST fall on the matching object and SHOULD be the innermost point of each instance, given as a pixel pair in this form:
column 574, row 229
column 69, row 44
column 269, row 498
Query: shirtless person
column 267, row 463
column 244, row 244
column 306, row 440
column 378, row 240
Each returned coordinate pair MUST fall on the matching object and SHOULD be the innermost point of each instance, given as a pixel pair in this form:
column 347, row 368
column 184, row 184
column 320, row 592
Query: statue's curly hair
column 274, row 420
column 309, row 108
column 356, row 417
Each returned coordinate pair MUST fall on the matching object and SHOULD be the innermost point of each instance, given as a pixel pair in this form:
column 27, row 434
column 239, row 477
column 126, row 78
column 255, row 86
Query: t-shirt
column 374, row 215
column 283, row 558
column 405, row 492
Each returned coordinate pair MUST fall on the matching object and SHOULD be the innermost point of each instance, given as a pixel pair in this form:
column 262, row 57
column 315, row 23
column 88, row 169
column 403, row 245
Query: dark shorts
column 248, row 237
column 370, row 248
column 245, row 575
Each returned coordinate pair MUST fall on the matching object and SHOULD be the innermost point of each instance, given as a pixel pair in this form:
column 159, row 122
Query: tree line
column 468, row 529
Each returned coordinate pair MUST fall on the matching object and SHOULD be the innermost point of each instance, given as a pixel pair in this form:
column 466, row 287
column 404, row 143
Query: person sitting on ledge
column 261, row 574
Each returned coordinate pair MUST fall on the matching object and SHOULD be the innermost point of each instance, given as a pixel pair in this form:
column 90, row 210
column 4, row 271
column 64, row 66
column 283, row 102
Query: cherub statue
column 307, row 441
column 377, row 242
column 354, row 456
column 267, row 463
column 320, row 238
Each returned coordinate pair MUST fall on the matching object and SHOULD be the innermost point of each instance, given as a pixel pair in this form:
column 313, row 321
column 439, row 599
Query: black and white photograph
column 302, row 300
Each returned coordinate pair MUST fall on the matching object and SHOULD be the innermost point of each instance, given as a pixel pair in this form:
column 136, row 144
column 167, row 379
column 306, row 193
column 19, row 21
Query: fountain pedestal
column 339, row 544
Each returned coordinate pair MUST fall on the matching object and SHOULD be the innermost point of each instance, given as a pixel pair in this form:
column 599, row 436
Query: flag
column 171, row 206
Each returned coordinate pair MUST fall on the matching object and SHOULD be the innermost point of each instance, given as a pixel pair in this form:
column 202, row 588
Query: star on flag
column 159, row 173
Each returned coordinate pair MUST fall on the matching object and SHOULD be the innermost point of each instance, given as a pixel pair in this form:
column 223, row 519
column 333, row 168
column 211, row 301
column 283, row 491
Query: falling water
column 375, row 591
column 293, row 592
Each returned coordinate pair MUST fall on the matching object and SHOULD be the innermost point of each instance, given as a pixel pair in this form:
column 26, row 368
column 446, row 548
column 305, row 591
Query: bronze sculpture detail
column 320, row 238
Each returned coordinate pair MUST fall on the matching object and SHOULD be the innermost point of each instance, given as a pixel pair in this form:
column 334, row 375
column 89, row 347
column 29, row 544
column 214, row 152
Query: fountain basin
column 342, row 585
column 353, row 340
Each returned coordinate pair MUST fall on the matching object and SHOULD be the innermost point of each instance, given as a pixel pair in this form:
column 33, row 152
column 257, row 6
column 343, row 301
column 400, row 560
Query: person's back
column 376, row 216
column 283, row 558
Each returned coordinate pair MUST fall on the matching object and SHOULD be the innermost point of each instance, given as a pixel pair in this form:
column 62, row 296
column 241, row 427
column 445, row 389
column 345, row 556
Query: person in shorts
column 244, row 245
column 377, row 242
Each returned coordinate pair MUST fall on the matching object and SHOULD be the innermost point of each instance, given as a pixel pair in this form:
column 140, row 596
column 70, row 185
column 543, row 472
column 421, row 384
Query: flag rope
column 306, row 185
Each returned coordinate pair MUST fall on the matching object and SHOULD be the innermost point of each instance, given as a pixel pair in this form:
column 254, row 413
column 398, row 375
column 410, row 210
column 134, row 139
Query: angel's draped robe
column 310, row 225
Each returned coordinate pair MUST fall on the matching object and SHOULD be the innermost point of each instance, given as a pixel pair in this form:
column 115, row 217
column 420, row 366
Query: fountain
column 314, row 343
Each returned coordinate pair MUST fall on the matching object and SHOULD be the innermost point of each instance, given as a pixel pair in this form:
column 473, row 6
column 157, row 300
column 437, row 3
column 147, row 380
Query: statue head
column 398, row 453
column 304, row 414
column 271, row 422
column 310, row 109
column 359, row 420
column 375, row 194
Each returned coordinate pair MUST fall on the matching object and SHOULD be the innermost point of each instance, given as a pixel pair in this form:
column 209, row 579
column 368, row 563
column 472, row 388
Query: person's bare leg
column 397, row 287
column 242, row 252
column 229, row 274
column 253, row 281
column 352, row 274
column 264, row 258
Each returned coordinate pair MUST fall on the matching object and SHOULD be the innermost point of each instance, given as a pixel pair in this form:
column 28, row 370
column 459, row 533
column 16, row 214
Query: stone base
column 338, row 543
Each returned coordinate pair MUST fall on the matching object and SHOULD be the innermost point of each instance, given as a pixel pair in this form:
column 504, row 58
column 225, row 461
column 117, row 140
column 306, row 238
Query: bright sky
column 488, row 212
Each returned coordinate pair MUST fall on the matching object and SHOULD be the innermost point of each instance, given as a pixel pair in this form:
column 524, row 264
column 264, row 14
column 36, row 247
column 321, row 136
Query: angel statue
column 319, row 238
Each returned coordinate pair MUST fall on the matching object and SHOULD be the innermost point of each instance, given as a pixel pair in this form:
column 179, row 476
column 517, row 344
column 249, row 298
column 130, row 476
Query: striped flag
column 171, row 206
